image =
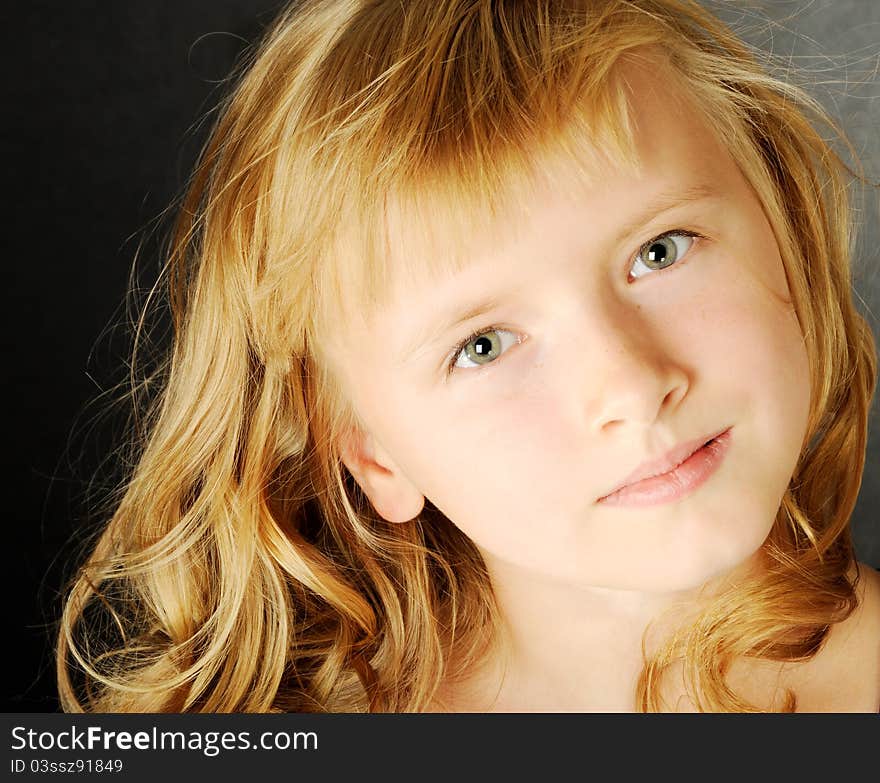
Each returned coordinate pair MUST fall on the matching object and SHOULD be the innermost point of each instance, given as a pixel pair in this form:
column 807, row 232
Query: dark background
column 105, row 106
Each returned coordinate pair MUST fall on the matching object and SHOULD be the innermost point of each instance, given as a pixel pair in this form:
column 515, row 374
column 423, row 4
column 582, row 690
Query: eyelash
column 683, row 232
column 456, row 352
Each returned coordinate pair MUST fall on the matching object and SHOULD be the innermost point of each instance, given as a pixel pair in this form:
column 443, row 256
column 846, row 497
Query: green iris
column 660, row 253
column 483, row 349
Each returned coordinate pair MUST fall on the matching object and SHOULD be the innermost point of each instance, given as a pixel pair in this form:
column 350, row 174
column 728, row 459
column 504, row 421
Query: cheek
column 751, row 362
column 515, row 448
column 501, row 476
column 750, row 334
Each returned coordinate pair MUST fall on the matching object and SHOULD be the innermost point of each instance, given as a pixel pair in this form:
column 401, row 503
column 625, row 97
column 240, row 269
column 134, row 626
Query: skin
column 600, row 372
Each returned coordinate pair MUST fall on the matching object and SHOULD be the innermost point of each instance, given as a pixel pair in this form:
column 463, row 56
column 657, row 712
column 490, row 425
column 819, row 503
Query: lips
column 668, row 462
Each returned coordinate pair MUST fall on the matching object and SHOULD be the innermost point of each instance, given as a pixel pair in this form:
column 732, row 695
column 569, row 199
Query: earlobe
column 392, row 494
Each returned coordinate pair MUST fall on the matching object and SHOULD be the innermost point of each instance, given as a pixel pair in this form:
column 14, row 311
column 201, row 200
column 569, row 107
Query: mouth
column 675, row 475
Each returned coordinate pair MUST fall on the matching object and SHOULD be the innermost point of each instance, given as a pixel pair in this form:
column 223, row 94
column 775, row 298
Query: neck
column 577, row 648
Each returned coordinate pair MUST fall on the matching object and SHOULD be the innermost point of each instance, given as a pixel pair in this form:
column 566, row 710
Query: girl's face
column 591, row 359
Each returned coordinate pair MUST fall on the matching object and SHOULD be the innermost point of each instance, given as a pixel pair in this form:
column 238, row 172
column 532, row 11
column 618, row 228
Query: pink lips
column 674, row 475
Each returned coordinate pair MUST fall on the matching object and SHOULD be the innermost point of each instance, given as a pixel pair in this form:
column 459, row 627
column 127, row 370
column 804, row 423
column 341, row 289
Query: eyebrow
column 449, row 321
column 664, row 202
column 429, row 335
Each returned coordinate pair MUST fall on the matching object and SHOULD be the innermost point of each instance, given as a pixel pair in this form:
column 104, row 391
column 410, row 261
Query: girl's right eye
column 481, row 348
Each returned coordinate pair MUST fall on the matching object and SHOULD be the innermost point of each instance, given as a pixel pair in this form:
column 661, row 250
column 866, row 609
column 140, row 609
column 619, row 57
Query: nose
column 633, row 377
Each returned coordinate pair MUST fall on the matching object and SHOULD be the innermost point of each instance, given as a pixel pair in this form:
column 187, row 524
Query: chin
column 704, row 551
column 692, row 572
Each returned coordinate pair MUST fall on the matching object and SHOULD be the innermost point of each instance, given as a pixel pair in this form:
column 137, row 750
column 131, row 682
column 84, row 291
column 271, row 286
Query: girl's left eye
column 481, row 348
column 662, row 251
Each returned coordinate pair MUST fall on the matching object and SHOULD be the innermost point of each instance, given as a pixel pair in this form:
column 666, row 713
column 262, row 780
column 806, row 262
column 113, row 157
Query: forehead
column 432, row 226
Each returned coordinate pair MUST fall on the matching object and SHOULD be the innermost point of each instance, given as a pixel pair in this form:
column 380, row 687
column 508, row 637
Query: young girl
column 515, row 368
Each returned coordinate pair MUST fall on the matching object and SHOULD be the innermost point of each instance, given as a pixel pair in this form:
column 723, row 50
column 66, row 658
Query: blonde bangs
column 427, row 149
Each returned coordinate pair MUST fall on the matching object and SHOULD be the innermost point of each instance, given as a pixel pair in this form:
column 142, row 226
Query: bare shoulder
column 868, row 613
column 850, row 661
column 867, row 630
column 866, row 618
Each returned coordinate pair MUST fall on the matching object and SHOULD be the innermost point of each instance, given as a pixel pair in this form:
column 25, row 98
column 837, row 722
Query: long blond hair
column 242, row 568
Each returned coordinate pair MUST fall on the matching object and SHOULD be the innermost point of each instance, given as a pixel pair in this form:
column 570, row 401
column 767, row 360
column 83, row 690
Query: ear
column 392, row 494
